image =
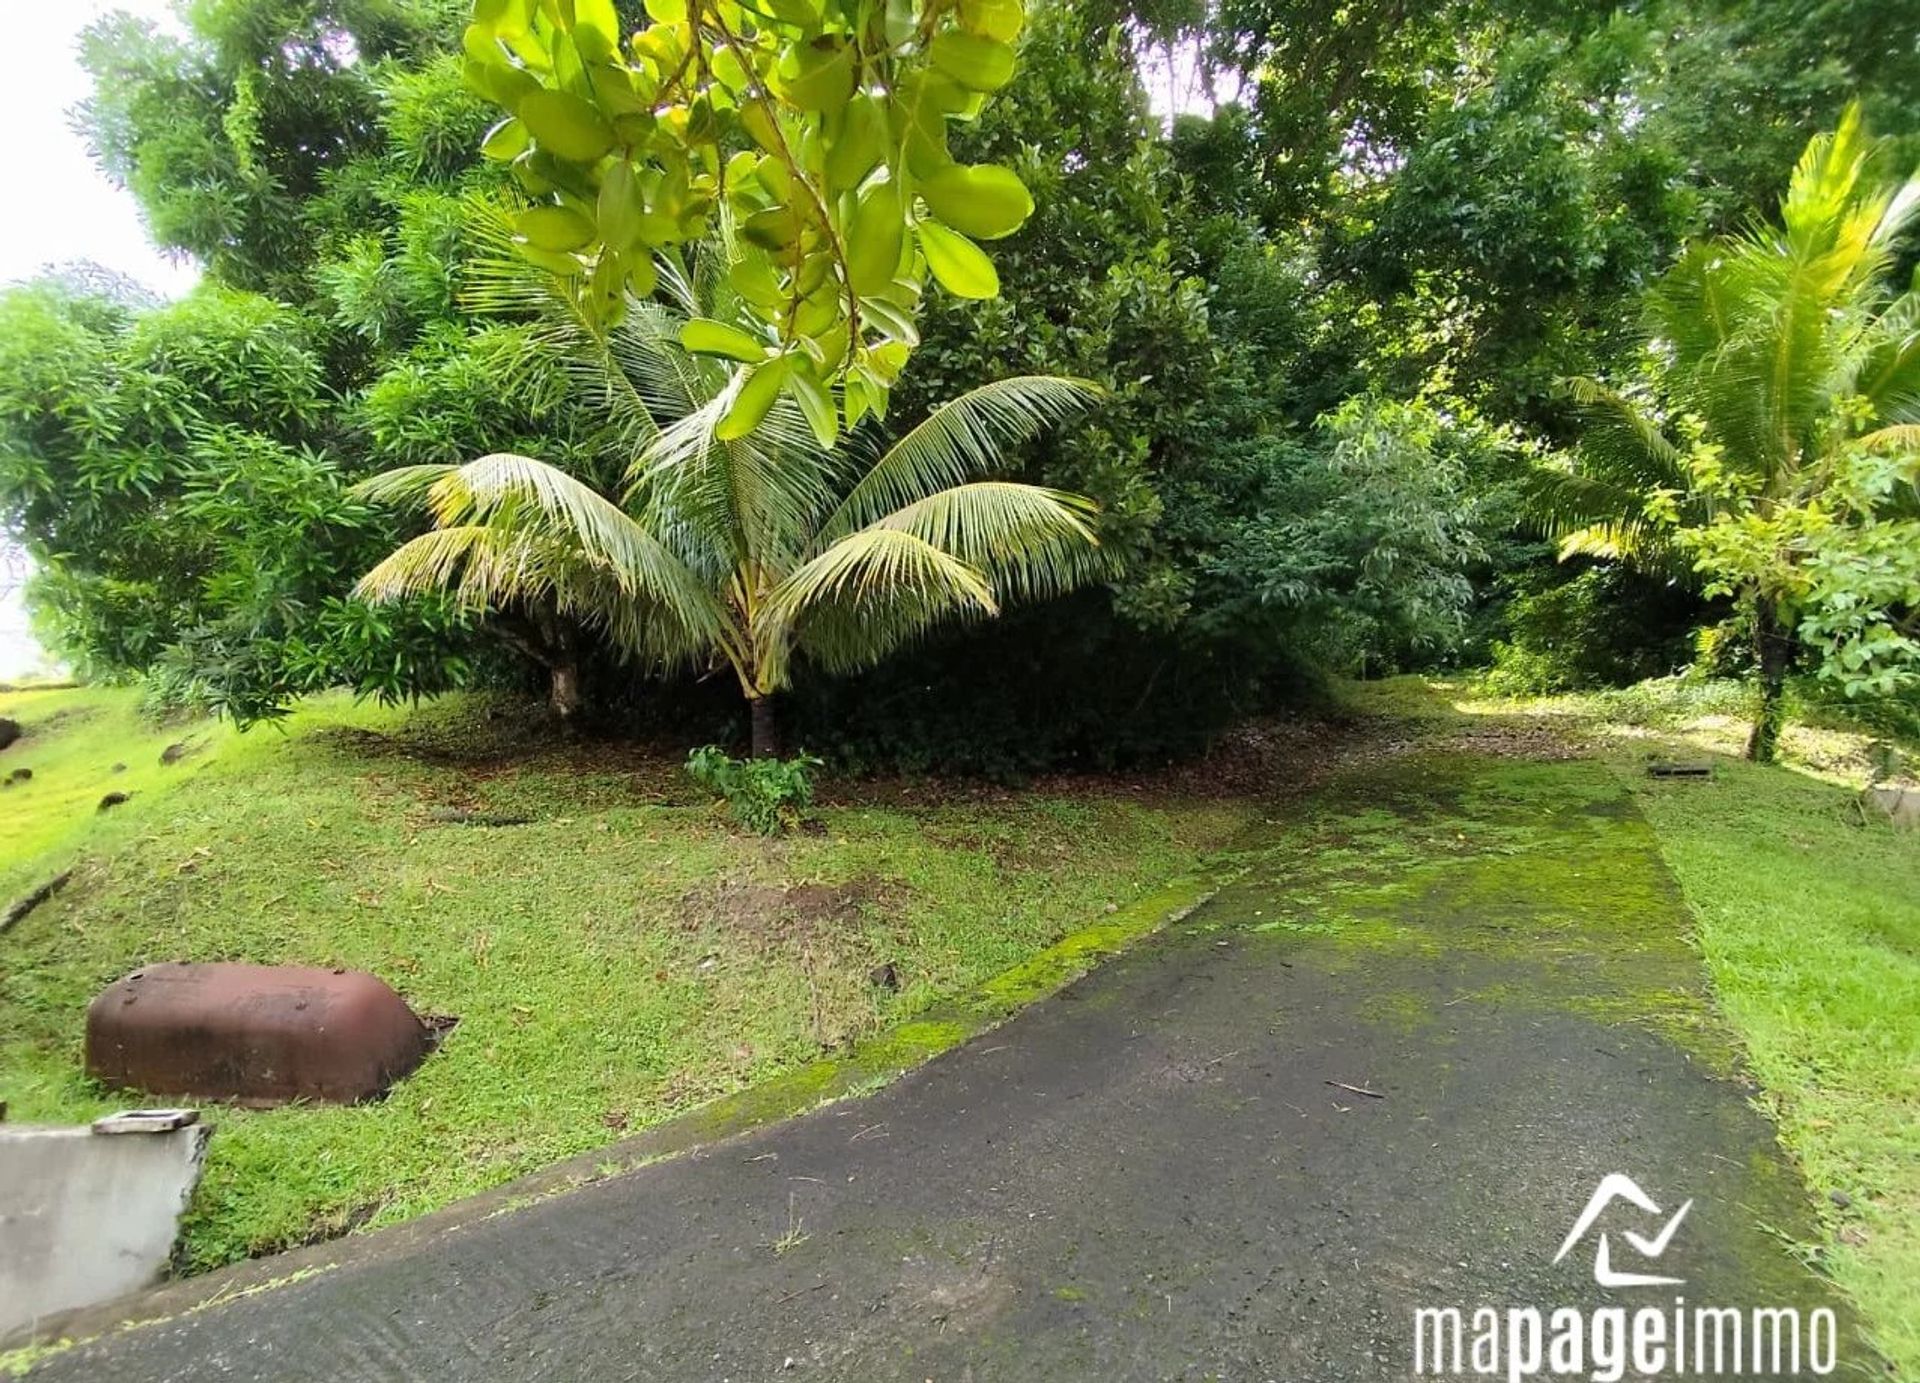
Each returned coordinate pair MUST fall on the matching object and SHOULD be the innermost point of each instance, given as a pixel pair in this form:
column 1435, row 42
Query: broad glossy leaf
column 753, row 279
column 889, row 318
column 554, row 228
column 566, row 126
column 596, row 28
column 620, row 208
column 981, row 64
column 982, row 199
column 500, row 81
column 608, row 285
column 704, row 336
column 614, row 93
column 817, row 405
column 776, row 228
column 755, row 399
column 760, row 125
column 553, row 261
column 859, row 146
column 874, row 236
column 820, row 77
column 961, row 266
column 505, row 142
column 999, row 19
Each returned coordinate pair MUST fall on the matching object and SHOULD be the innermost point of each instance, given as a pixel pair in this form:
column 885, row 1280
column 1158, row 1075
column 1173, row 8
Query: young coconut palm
column 1783, row 355
column 747, row 550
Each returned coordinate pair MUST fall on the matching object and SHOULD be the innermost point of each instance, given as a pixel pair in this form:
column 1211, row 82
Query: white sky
column 72, row 211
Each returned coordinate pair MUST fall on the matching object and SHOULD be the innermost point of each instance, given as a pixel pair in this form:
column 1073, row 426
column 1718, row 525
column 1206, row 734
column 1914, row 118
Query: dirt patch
column 762, row 913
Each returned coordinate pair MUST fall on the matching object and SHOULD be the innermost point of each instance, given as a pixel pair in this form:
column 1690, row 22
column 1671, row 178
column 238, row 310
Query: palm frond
column 1895, row 437
column 1030, row 542
column 499, row 282
column 532, row 502
column 962, row 438
column 753, row 499
column 865, row 596
column 403, row 485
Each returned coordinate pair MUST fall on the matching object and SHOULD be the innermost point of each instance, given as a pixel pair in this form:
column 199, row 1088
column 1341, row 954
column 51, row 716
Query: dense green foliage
column 1777, row 457
column 1334, row 308
column 721, row 549
column 170, row 469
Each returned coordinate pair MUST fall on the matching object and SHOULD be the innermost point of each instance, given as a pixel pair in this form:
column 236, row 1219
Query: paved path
column 1153, row 1175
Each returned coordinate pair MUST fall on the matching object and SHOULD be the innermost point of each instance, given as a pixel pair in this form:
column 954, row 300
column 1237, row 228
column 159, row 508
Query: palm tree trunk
column 563, row 694
column 1773, row 649
column 766, row 727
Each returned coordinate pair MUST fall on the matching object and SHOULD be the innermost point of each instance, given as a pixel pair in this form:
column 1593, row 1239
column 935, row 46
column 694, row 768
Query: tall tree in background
column 257, row 140
column 1780, row 455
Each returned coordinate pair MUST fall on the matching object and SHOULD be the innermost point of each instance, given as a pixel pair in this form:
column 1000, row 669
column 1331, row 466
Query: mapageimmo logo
column 1609, row 1343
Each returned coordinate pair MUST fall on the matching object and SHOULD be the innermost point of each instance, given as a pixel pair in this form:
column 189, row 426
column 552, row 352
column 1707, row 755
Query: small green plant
column 763, row 795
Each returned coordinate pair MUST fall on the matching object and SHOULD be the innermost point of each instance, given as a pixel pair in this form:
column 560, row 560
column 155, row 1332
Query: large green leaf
column 506, row 141
column 565, row 125
column 873, row 238
column 961, row 266
column 620, row 208
column 981, row 200
column 554, row 228
column 976, row 62
column 704, row 336
column 755, row 399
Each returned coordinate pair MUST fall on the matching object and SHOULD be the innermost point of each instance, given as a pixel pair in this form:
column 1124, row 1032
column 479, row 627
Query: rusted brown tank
column 258, row 1034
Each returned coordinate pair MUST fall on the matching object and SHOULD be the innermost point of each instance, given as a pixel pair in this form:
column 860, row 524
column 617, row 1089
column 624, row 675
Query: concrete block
column 89, row 1214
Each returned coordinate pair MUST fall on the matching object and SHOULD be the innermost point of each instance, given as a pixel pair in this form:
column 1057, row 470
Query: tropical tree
column 743, row 551
column 1775, row 452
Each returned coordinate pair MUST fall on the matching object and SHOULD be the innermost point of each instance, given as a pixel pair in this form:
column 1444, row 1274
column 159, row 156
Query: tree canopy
column 1340, row 309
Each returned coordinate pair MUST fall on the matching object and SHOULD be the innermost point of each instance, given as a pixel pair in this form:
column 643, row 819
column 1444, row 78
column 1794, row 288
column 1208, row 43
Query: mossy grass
column 1806, row 911
column 620, row 956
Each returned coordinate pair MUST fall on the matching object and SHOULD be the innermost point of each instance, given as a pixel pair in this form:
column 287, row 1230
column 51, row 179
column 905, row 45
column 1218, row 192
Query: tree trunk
column 766, row 728
column 564, row 690
column 1773, row 649
column 544, row 639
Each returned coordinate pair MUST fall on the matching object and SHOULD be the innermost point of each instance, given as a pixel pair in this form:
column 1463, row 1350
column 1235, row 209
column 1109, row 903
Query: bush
column 763, row 795
column 1604, row 627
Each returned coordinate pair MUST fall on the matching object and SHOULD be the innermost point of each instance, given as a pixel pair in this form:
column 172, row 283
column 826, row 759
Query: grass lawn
column 1808, row 916
column 617, row 956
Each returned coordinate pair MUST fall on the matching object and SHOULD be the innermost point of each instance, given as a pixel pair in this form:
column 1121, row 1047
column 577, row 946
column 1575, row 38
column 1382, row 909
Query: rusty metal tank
column 255, row 1034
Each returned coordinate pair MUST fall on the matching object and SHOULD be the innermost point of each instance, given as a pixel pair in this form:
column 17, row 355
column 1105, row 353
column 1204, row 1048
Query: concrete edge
column 872, row 1063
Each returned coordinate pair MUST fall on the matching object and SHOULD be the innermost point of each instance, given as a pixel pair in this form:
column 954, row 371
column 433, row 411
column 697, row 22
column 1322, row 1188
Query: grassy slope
column 621, row 957
column 74, row 738
column 1809, row 921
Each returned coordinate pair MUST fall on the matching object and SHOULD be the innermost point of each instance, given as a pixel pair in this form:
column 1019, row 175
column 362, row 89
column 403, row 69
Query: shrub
column 1606, row 626
column 763, row 795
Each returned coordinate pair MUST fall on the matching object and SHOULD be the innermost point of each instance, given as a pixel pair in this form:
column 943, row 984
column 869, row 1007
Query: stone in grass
column 1900, row 805
column 112, row 799
column 19, row 775
column 174, row 752
column 9, row 731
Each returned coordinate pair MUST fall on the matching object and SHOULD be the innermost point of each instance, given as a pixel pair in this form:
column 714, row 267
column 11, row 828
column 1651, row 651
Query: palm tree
column 1779, row 353
column 742, row 552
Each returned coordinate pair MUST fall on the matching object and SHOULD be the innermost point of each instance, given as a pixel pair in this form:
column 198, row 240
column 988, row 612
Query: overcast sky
column 74, row 213
column 63, row 208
